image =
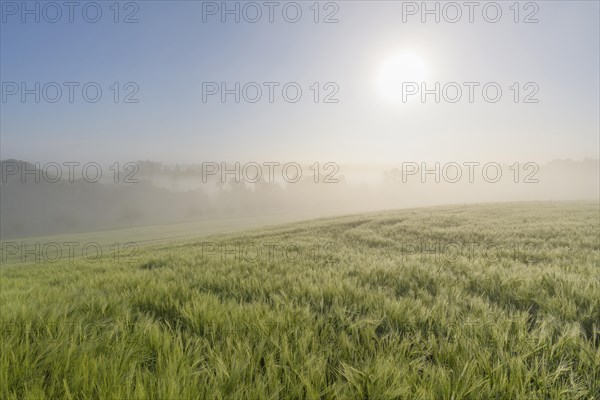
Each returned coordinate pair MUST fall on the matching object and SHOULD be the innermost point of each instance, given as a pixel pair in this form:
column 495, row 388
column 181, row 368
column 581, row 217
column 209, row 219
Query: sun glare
column 398, row 69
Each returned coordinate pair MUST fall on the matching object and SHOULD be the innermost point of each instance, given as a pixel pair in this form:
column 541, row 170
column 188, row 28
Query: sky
column 359, row 63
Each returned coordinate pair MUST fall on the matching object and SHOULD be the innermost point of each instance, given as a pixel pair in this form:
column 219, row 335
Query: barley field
column 495, row 301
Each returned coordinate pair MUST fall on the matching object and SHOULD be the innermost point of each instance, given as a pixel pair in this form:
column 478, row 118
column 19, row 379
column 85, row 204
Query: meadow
column 492, row 301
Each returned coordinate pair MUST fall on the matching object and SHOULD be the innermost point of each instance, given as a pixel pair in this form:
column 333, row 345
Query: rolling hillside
column 487, row 301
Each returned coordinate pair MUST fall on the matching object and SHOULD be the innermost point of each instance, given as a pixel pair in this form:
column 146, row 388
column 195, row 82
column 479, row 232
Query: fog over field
column 152, row 113
column 52, row 199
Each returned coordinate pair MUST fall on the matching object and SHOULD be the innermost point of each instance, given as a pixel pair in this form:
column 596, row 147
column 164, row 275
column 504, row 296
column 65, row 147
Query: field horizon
column 149, row 234
column 353, row 200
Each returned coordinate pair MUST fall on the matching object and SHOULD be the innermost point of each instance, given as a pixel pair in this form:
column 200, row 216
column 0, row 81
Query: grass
column 476, row 302
column 140, row 236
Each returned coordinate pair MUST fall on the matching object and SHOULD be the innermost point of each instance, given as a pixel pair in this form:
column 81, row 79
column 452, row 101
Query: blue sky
column 171, row 51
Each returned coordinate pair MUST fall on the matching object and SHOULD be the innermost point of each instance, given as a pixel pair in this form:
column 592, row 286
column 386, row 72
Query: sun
column 398, row 69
